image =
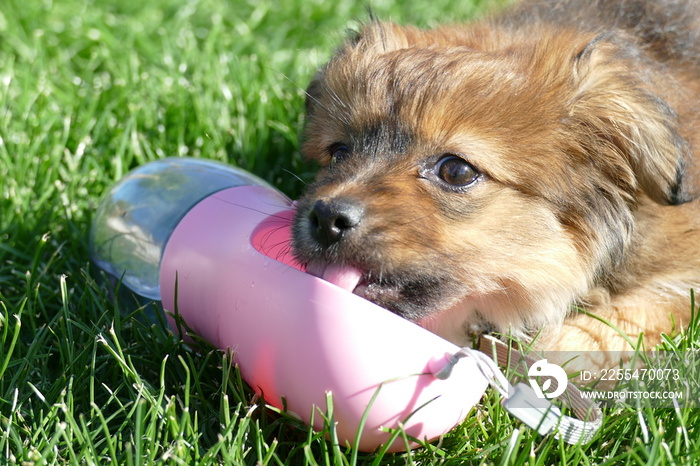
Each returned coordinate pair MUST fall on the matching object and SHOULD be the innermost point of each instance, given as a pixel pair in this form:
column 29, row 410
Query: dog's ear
column 378, row 37
column 373, row 38
column 313, row 93
column 632, row 131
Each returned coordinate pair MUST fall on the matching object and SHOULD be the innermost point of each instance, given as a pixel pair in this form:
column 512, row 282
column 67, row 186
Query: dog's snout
column 330, row 220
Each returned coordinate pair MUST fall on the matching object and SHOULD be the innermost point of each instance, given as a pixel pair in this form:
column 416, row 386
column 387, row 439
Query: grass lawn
column 90, row 89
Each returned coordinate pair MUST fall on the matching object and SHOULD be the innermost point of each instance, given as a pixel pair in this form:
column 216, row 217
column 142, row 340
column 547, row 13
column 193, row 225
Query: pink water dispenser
column 213, row 242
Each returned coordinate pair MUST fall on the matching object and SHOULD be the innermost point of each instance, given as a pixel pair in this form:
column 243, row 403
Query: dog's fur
column 581, row 122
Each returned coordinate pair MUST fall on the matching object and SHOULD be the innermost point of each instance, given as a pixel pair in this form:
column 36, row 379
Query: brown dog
column 507, row 174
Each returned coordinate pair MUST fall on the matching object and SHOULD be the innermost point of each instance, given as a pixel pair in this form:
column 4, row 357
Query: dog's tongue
column 344, row 276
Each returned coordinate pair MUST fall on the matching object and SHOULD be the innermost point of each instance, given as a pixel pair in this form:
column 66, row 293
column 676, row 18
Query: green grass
column 92, row 89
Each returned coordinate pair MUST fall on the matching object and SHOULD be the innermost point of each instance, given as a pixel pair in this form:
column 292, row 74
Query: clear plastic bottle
column 134, row 221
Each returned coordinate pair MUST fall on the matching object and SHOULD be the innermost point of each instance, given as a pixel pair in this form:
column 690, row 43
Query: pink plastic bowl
column 297, row 337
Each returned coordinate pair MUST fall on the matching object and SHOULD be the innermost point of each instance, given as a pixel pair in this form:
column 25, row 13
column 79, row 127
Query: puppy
column 528, row 174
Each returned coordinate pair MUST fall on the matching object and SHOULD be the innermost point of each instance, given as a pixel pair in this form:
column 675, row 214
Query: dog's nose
column 330, row 220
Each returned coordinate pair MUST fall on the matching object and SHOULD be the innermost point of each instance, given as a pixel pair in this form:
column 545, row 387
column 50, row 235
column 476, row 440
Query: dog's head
column 489, row 175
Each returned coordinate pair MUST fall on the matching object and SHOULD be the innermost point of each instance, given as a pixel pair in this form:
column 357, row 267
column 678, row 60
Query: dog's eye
column 456, row 171
column 338, row 152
